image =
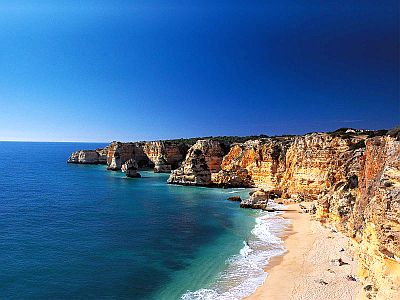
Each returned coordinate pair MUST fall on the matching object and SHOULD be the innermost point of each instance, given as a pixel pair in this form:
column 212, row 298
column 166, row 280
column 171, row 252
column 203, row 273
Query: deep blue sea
column 81, row 232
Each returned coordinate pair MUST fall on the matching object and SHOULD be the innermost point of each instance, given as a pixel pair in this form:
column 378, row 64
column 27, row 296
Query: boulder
column 257, row 200
column 235, row 198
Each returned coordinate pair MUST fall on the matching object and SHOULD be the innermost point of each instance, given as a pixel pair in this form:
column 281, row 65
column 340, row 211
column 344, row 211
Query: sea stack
column 130, row 169
column 84, row 157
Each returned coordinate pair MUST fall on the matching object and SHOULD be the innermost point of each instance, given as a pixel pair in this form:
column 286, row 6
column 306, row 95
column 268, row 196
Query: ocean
column 80, row 232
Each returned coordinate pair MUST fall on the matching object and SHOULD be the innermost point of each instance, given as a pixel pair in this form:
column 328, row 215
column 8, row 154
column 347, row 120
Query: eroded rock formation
column 165, row 155
column 193, row 171
column 130, row 168
column 161, row 165
column 161, row 155
column 202, row 160
column 258, row 200
column 296, row 166
column 88, row 156
column 119, row 153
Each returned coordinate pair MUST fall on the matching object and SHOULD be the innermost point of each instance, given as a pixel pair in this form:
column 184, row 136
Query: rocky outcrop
column 193, row 171
column 88, row 156
column 161, row 165
column 119, row 153
column 235, row 199
column 257, row 200
column 130, row 168
column 352, row 176
column 213, row 152
column 161, row 155
column 102, row 152
column 203, row 159
column 165, row 155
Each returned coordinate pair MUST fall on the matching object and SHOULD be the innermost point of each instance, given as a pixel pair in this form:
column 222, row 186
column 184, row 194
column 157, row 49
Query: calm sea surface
column 81, row 232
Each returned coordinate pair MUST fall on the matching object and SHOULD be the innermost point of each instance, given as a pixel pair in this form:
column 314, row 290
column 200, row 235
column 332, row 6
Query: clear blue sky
column 140, row 70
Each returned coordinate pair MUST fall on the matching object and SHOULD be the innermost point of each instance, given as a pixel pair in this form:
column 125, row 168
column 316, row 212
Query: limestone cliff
column 119, row 153
column 297, row 167
column 165, row 155
column 213, row 153
column 202, row 159
column 160, row 155
column 97, row 156
column 365, row 204
column 193, row 171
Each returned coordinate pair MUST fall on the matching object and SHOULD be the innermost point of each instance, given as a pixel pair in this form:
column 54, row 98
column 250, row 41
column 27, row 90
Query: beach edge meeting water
column 350, row 176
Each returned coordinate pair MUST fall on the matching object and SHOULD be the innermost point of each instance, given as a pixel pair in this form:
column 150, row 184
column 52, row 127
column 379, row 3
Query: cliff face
column 213, row 153
column 165, row 155
column 119, row 153
column 161, row 155
column 365, row 204
column 97, row 156
column 294, row 166
column 193, row 171
column 202, row 159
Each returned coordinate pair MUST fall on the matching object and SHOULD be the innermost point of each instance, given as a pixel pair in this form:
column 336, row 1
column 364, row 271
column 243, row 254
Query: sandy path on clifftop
column 305, row 271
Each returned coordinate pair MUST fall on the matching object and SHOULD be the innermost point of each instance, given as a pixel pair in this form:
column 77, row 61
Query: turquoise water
column 81, row 232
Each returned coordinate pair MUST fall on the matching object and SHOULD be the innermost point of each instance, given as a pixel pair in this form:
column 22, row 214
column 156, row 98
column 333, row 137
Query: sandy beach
column 310, row 268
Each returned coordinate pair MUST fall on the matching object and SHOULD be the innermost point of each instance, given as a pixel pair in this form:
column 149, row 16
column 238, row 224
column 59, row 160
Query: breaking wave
column 245, row 271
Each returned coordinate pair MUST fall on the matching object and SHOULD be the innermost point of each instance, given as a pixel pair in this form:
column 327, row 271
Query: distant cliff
column 162, row 156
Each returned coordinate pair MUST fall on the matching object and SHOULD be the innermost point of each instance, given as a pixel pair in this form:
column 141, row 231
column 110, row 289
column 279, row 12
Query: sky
column 145, row 70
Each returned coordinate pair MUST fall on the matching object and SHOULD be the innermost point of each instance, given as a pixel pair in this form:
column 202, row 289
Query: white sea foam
column 245, row 271
column 245, row 250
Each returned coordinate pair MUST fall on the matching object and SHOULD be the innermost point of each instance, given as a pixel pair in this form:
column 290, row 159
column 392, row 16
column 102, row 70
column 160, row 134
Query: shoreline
column 308, row 269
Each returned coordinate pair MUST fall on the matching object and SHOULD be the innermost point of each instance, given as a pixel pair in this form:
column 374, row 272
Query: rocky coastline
column 352, row 177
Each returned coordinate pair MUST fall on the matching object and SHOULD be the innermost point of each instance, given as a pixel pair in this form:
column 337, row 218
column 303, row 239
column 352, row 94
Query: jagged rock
column 165, row 155
column 146, row 154
column 102, row 152
column 194, row 170
column 236, row 177
column 235, row 198
column 161, row 166
column 293, row 165
column 258, row 200
column 84, row 157
column 119, row 153
column 213, row 153
column 130, row 168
